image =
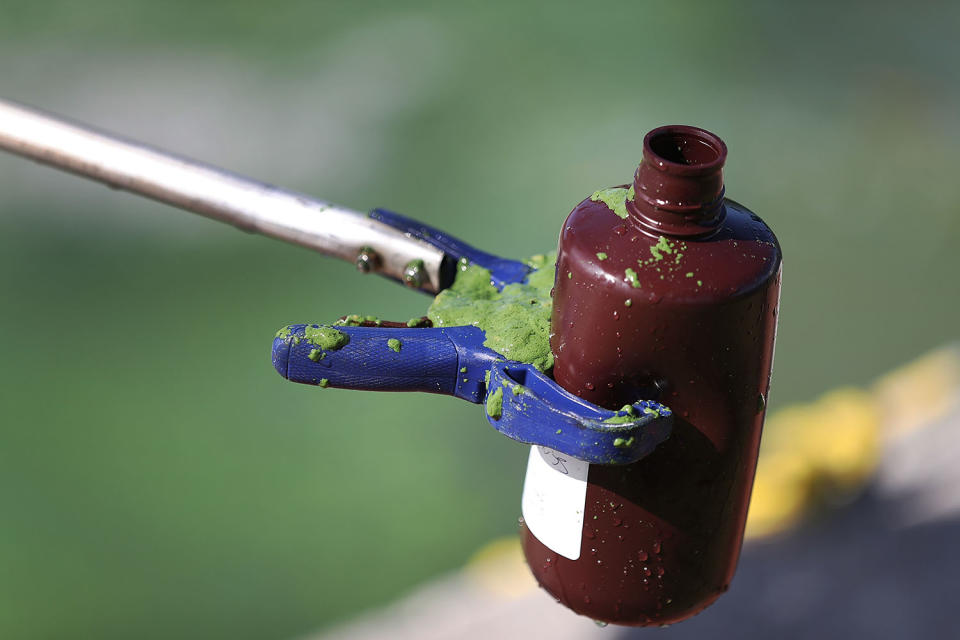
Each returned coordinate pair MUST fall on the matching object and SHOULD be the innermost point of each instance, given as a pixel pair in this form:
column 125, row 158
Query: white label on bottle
column 554, row 497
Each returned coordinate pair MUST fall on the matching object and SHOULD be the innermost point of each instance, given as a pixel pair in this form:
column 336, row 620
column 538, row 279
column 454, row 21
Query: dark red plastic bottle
column 694, row 328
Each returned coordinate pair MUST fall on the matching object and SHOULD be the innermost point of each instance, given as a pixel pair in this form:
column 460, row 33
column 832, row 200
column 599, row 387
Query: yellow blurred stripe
column 919, row 392
column 826, row 451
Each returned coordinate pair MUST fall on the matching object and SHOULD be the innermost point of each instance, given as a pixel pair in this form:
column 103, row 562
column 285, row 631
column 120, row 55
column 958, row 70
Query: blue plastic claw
column 521, row 402
column 532, row 408
column 502, row 270
column 451, row 361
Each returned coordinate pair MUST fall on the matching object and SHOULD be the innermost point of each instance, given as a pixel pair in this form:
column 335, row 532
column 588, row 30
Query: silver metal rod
column 215, row 193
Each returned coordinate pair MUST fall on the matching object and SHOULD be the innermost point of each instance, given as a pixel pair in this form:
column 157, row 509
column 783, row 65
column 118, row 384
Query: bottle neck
column 678, row 187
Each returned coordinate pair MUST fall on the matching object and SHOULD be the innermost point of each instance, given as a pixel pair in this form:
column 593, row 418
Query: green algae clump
column 516, row 321
column 537, row 262
column 495, row 403
column 356, row 320
column 651, row 412
column 327, row 338
column 631, row 416
column 287, row 334
column 663, row 246
column 615, row 198
column 394, row 344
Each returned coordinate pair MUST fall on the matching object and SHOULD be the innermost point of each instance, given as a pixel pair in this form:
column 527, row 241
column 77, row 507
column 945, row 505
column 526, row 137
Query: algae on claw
column 356, row 320
column 327, row 338
column 630, row 415
column 495, row 403
column 516, row 320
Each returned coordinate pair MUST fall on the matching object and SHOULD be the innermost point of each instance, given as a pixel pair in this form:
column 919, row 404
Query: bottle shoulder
column 739, row 257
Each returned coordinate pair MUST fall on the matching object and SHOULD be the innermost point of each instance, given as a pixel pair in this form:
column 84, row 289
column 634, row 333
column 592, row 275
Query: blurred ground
column 158, row 479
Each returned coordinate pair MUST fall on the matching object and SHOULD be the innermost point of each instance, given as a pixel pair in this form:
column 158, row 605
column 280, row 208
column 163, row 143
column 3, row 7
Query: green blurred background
column 158, row 479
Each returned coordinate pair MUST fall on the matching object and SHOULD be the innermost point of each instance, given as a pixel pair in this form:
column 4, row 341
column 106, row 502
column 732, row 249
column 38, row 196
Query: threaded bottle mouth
column 684, row 150
column 679, row 185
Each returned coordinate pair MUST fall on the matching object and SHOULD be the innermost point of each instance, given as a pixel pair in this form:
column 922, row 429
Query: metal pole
column 247, row 204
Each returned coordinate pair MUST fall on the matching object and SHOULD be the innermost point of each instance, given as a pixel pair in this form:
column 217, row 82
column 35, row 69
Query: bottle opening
column 684, row 149
column 688, row 147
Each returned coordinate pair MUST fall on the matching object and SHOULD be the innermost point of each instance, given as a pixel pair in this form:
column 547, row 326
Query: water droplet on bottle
column 617, row 522
column 589, row 386
column 647, row 572
column 586, row 599
column 642, row 555
column 656, row 546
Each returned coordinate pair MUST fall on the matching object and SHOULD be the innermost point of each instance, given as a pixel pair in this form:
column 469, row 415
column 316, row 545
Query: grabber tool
column 520, row 401
column 667, row 289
